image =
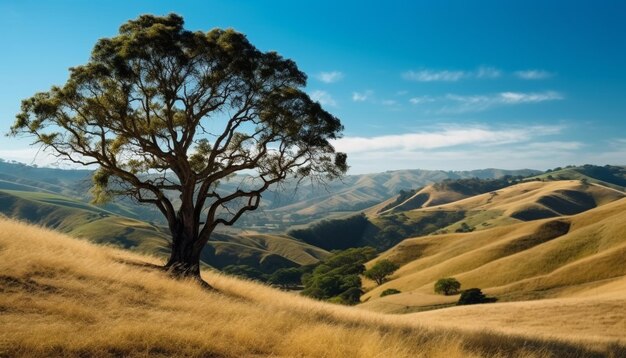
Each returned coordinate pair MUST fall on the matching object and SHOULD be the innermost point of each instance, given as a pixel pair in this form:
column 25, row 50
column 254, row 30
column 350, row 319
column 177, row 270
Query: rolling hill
column 561, row 255
column 76, row 218
column 65, row 297
column 294, row 203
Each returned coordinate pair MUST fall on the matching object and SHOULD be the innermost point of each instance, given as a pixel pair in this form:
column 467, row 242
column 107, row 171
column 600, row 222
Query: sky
column 453, row 85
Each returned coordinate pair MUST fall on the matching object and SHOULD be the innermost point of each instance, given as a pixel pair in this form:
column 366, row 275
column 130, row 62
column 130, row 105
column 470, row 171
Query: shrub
column 447, row 286
column 474, row 296
column 389, row 291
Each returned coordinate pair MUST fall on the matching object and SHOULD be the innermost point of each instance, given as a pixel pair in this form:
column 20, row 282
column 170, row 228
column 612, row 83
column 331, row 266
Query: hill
column 64, row 297
column 82, row 220
column 609, row 175
column 555, row 257
column 293, row 203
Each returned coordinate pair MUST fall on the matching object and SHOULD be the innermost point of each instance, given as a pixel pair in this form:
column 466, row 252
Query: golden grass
column 516, row 263
column 65, row 297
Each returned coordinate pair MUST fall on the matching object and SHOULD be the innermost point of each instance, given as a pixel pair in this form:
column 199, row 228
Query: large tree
column 166, row 114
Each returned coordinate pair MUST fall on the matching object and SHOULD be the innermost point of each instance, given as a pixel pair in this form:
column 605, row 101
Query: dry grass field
column 554, row 258
column 65, row 297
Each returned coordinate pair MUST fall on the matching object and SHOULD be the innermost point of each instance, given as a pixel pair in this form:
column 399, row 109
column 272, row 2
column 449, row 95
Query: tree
column 381, row 270
column 167, row 114
column 337, row 278
column 286, row 277
column 473, row 296
column 447, row 286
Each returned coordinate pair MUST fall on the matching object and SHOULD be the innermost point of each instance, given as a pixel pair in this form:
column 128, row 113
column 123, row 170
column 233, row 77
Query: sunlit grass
column 65, row 297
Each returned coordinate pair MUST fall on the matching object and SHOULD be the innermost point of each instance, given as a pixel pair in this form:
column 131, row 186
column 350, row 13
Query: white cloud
column 477, row 103
column 427, row 75
column 463, row 147
column 533, row 74
column 447, row 137
column 422, row 99
column 432, row 76
column 362, row 96
column 389, row 102
column 329, row 77
column 518, row 97
column 324, row 98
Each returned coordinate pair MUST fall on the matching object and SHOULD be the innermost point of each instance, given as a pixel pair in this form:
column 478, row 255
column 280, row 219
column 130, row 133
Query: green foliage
column 140, row 108
column 381, row 270
column 474, row 296
column 447, row 286
column 337, row 278
column 465, row 228
column 286, row 277
column 389, row 291
column 338, row 234
column 245, row 271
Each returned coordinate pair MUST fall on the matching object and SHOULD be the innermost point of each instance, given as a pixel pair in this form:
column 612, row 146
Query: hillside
column 609, row 175
column 293, row 203
column 557, row 257
column 78, row 219
column 64, row 297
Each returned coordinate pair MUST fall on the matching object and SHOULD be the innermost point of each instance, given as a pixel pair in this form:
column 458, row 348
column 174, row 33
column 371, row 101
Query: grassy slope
column 525, row 202
column 98, row 225
column 64, row 297
column 549, row 258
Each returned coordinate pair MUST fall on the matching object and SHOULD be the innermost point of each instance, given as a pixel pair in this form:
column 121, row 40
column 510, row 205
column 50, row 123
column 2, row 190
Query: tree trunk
column 185, row 257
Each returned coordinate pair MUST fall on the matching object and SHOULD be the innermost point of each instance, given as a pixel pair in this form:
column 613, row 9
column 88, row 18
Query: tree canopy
column 447, row 286
column 381, row 270
column 166, row 114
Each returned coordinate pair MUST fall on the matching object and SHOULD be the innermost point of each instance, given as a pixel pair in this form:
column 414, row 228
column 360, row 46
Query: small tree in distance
column 381, row 270
column 447, row 286
column 166, row 114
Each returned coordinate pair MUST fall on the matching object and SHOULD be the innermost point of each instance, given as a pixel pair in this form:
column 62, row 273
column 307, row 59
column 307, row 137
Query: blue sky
column 434, row 85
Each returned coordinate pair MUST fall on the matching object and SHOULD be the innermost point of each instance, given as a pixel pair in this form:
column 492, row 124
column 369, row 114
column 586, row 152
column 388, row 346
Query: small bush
column 389, row 291
column 474, row 296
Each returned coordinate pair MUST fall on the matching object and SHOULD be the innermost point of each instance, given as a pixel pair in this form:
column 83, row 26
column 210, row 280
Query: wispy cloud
column 533, row 74
column 477, row 103
column 428, row 75
column 464, row 147
column 330, row 77
column 442, row 138
column 362, row 96
column 324, row 98
column 421, row 100
column 432, row 76
column 389, row 102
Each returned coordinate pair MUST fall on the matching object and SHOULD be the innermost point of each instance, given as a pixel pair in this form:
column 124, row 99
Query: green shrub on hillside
column 389, row 291
column 474, row 296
